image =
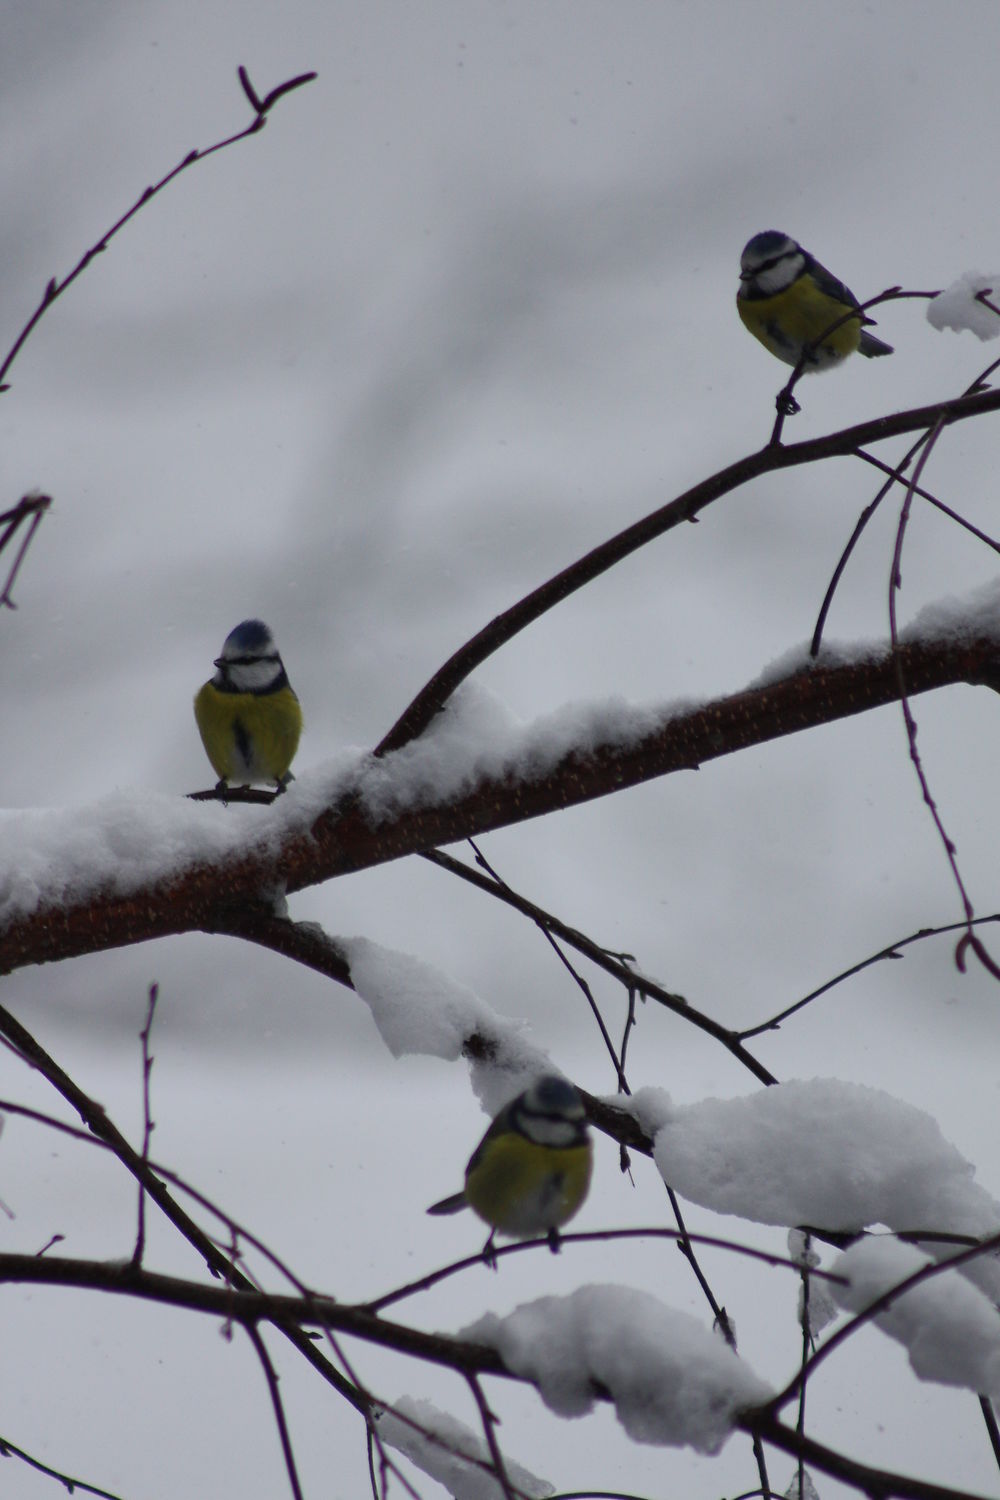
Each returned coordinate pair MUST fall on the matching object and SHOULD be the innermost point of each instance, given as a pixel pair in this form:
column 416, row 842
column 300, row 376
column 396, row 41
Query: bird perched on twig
column 789, row 301
column 531, row 1170
column 248, row 716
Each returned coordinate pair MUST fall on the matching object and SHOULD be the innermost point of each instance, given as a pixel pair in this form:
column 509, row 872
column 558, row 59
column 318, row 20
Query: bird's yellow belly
column 786, row 323
column 521, row 1188
column 248, row 737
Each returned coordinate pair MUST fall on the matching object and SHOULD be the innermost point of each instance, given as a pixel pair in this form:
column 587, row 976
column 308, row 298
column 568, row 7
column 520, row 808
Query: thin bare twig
column 633, row 980
column 544, row 928
column 147, row 1121
column 69, row 1481
column 30, row 508
column 590, row 1237
column 685, row 1245
column 56, row 288
column 895, row 476
column 488, row 1420
column 632, row 993
column 969, row 939
column 879, row 1305
column 992, row 1431
column 270, row 1375
column 891, row 950
column 946, row 510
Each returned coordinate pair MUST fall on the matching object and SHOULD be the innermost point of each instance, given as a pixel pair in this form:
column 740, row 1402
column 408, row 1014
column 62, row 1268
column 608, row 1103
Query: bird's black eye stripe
column 247, row 661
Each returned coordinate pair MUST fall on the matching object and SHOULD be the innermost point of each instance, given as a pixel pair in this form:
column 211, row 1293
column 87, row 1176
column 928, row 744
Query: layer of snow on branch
column 435, row 1443
column 963, row 617
column 129, row 840
column 418, row 1009
column 798, row 659
column 957, row 306
column 477, row 737
column 56, row 855
column 950, row 1330
column 828, row 1154
column 967, row 617
column 672, row 1381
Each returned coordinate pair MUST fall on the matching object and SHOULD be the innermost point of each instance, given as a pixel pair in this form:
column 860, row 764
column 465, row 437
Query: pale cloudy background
column 463, row 309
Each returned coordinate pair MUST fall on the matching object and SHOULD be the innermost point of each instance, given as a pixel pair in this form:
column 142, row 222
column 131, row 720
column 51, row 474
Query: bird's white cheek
column 778, row 278
column 254, row 676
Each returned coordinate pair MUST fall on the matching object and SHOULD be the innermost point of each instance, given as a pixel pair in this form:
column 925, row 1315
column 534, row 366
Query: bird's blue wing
column 828, row 283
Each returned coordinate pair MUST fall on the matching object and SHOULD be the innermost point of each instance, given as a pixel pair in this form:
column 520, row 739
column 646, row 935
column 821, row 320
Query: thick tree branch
column 345, row 838
column 248, row 1307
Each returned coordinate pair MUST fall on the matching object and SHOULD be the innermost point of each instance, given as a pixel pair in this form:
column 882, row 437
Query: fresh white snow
column 672, row 1381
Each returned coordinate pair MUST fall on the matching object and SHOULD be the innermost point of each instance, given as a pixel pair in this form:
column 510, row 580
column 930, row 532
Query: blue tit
column 788, row 300
column 248, row 717
column 531, row 1170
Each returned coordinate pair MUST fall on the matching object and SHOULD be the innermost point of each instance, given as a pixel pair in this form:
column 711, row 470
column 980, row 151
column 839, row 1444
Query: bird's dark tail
column 871, row 346
column 450, row 1205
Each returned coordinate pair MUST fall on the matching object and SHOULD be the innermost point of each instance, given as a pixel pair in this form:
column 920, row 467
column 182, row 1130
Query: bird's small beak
column 220, row 661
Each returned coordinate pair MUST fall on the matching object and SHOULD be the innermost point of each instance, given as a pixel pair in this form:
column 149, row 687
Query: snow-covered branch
column 138, row 867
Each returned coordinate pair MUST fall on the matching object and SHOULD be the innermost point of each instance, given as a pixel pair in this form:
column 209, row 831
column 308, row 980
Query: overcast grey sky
column 461, row 311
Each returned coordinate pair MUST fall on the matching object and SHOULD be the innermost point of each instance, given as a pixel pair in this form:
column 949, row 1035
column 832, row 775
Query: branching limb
column 939, row 505
column 895, row 475
column 461, row 1355
column 504, row 627
column 97, row 1121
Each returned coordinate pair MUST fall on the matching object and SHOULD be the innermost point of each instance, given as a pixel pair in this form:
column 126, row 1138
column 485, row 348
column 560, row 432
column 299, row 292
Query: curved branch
column 433, row 696
column 346, row 837
column 248, row 1306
